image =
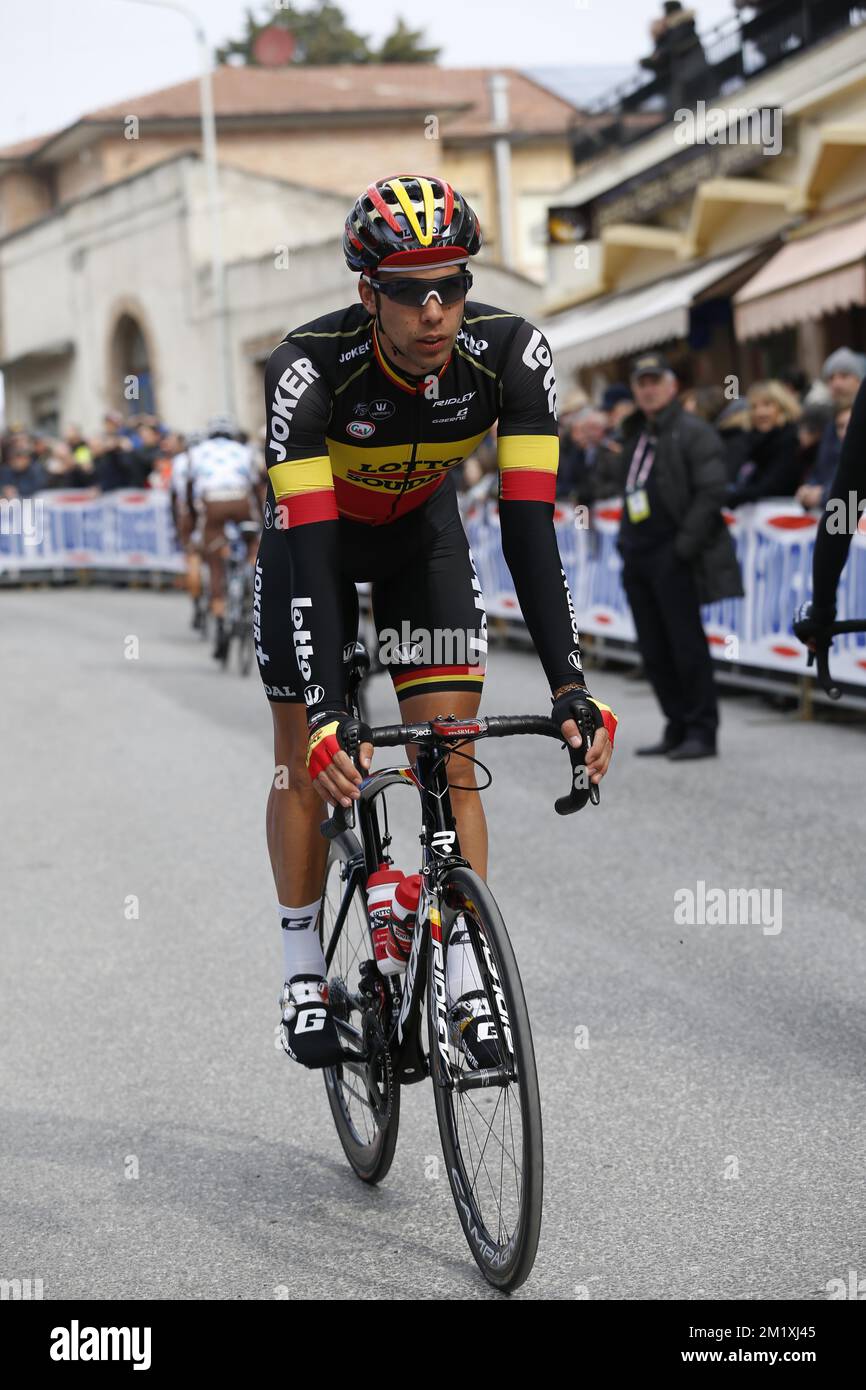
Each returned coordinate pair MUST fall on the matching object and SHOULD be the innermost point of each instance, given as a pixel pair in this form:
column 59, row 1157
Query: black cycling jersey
column 834, row 539
column 356, row 447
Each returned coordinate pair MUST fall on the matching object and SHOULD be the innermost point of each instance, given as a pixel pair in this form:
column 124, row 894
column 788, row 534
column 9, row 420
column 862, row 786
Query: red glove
column 323, row 744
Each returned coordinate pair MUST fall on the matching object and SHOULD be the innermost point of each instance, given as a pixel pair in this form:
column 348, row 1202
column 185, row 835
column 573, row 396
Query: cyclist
column 370, row 409
column 220, row 486
column 833, row 540
column 184, row 522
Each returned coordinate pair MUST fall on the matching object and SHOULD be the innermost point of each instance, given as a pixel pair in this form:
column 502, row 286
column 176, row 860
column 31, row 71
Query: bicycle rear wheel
column 246, row 651
column 364, row 1097
column 491, row 1135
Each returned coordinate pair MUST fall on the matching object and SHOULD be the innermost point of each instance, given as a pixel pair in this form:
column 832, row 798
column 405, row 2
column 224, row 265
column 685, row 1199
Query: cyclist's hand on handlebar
column 812, row 625
column 333, row 773
column 565, row 707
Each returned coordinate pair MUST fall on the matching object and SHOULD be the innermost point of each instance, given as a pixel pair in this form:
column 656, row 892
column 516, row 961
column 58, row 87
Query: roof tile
column 459, row 96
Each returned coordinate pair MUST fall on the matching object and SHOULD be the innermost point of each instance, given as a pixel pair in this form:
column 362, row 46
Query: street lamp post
column 209, row 149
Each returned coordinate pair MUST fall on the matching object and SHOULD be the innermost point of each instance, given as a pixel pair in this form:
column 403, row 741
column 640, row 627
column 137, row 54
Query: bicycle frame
column 440, row 848
column 440, row 851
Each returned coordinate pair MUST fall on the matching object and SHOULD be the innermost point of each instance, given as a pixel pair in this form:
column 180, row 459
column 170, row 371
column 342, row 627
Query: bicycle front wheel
column 364, row 1097
column 491, row 1133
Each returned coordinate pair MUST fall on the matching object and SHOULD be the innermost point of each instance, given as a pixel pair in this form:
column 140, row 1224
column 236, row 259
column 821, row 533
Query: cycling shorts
column 427, row 603
column 218, row 511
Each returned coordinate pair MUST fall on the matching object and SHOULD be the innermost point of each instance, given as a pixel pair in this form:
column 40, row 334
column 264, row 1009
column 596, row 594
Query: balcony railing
column 715, row 63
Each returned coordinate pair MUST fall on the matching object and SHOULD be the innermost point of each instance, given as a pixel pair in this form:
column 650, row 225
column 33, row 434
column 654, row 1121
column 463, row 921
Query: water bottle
column 381, row 887
column 404, row 910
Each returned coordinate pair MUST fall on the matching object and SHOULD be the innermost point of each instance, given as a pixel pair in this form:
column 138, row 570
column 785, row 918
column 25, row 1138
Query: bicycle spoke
column 355, row 1093
column 362, row 1100
column 491, row 1136
column 467, row 1098
column 476, row 1164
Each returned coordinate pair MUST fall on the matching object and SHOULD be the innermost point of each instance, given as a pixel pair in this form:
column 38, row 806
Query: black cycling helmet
column 409, row 221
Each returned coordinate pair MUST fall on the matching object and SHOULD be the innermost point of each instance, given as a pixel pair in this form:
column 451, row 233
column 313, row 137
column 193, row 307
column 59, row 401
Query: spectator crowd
column 781, row 439
column 129, row 452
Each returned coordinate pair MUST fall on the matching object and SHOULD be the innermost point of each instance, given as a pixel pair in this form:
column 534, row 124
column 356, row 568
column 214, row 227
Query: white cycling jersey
column 221, row 467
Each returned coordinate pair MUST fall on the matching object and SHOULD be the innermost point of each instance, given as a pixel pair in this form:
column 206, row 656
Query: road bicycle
column 239, row 572
column 201, row 622
column 398, row 1030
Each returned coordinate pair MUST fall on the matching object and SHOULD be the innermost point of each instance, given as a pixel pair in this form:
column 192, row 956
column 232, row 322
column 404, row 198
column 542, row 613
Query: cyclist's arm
column 177, row 485
column 831, row 546
column 189, row 489
column 528, row 449
column 298, row 405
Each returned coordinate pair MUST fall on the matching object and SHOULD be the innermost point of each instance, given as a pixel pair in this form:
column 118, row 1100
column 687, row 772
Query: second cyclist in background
column 222, row 481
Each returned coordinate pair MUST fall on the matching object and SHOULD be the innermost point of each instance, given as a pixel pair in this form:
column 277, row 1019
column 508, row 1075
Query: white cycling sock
column 461, row 971
column 302, row 949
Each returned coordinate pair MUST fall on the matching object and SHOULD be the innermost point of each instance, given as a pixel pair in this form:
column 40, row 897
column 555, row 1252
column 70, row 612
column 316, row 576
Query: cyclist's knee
column 461, row 795
column 290, row 751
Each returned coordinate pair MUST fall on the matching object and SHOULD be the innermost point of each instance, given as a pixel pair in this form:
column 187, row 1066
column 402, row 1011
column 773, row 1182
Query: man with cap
column 843, row 371
column 677, row 554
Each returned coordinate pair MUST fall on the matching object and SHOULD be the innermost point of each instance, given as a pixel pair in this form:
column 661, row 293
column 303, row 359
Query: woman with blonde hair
column 772, row 466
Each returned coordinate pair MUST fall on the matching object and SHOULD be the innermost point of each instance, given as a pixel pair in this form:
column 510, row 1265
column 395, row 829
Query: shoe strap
column 306, row 989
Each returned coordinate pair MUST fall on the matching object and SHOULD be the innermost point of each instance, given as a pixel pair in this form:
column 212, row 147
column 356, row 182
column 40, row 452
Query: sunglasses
column 414, row 293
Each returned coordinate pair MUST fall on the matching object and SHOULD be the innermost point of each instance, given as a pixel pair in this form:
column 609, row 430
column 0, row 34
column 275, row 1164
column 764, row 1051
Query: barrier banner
column 124, row 530
column 774, row 541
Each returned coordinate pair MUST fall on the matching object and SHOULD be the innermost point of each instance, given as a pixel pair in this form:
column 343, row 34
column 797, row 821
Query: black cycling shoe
column 309, row 1034
column 473, row 1031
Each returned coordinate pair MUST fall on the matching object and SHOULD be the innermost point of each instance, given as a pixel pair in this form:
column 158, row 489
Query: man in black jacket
column 677, row 554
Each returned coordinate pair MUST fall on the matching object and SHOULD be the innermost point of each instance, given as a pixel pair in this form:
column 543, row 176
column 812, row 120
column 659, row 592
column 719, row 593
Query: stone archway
column 130, row 365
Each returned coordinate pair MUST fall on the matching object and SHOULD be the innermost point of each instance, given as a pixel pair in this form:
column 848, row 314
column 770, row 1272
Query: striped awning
column 808, row 278
column 615, row 326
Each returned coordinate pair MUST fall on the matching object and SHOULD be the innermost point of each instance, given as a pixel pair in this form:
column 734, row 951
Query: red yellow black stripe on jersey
column 361, row 482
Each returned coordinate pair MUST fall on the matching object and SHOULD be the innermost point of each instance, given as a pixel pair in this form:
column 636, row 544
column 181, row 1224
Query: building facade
column 684, row 240
column 106, row 298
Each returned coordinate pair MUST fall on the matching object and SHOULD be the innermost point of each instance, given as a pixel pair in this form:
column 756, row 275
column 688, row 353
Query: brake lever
column 822, row 664
column 580, row 793
column 343, row 817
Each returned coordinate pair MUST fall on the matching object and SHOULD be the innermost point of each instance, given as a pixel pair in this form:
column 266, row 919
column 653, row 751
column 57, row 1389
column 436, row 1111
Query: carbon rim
column 360, row 1100
column 490, row 1130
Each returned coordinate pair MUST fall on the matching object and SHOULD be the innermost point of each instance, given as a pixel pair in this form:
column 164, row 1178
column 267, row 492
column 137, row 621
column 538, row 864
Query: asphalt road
column 702, row 1085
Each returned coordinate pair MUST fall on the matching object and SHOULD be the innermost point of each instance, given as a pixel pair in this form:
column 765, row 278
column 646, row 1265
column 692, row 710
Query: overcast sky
column 62, row 58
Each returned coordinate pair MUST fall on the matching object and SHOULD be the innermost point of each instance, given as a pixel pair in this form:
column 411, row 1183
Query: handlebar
column 453, row 730
column 819, row 654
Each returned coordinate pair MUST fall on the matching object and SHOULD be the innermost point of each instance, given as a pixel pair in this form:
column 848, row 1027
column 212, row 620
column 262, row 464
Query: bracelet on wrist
column 564, row 689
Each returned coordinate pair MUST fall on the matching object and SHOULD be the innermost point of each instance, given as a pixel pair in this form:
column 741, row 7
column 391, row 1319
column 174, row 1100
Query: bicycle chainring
column 379, row 1071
